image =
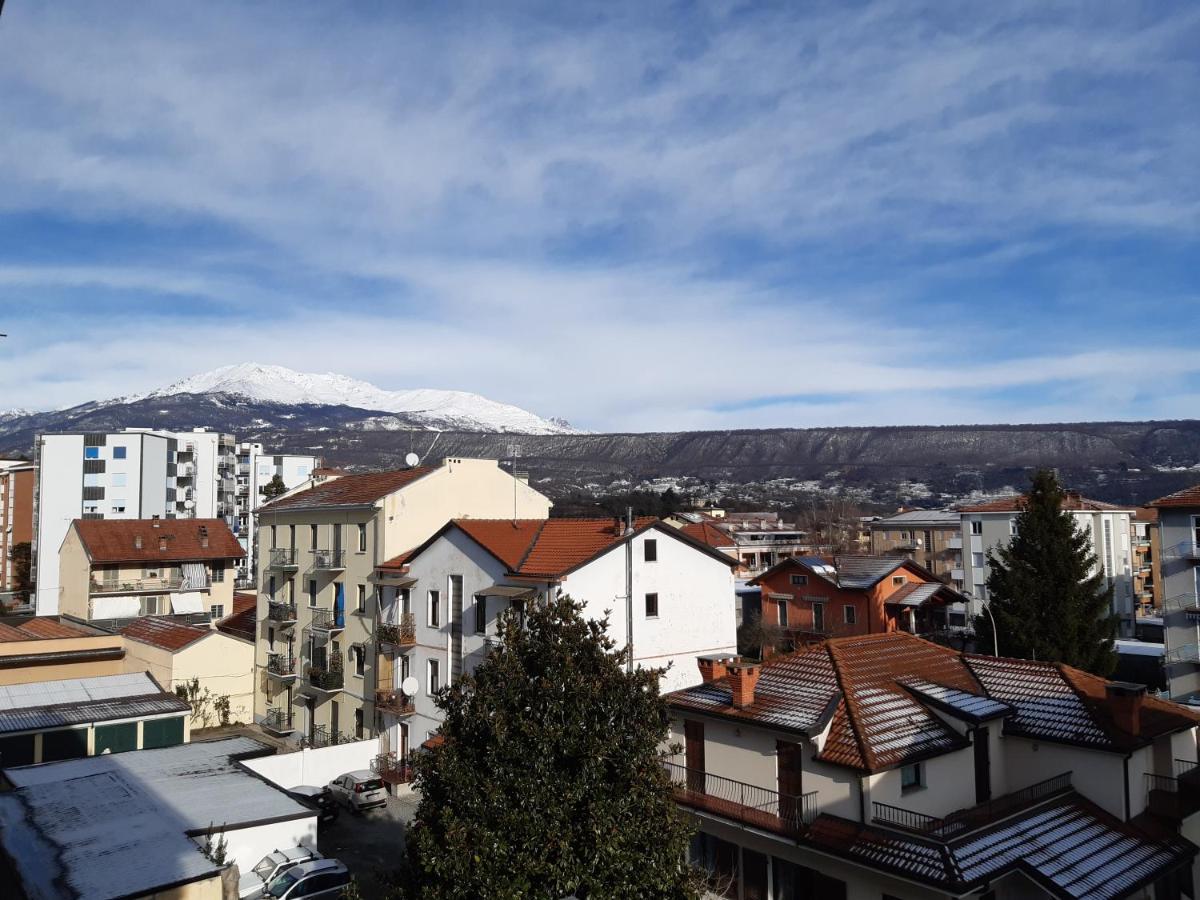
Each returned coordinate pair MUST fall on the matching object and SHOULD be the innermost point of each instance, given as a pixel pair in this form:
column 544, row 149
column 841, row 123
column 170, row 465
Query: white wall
column 1098, row 776
column 60, row 498
column 314, row 767
column 247, row 846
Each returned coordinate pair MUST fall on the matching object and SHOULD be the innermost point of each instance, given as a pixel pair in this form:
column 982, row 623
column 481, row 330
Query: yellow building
column 50, row 648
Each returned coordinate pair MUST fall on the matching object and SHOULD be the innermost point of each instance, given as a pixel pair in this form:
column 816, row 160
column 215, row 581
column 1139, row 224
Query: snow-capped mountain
column 453, row 410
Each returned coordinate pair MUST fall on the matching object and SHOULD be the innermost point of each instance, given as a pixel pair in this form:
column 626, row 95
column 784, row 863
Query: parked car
column 254, row 882
column 361, row 790
column 318, row 798
column 319, row 878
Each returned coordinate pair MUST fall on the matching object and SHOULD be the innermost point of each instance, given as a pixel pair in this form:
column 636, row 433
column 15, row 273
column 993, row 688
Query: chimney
column 154, row 521
column 162, row 544
column 712, row 666
column 137, row 542
column 743, row 678
column 1125, row 704
column 204, row 536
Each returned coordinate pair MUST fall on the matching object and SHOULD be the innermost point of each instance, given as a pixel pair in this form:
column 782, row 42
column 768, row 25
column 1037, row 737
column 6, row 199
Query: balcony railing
column 283, row 558
column 965, row 820
column 1183, row 550
column 402, row 635
column 1186, row 653
column 329, row 560
column 397, row 703
column 954, row 543
column 323, row 679
column 321, row 736
column 327, row 619
column 747, row 804
column 283, row 613
column 1175, row 797
column 278, row 720
column 281, row 665
column 137, row 585
column 392, row 770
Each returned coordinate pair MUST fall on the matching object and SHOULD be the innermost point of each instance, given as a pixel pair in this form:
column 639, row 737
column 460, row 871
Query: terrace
column 281, row 665
column 397, row 703
column 329, row 560
column 745, row 804
column 278, row 721
column 392, row 770
column 401, row 635
column 1175, row 797
column 282, row 613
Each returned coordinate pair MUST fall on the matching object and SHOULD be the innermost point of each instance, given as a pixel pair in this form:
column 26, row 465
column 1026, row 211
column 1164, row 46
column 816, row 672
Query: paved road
column 370, row 843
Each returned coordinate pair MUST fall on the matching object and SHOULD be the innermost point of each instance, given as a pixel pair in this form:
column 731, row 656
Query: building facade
column 16, row 517
column 1147, row 559
column 54, row 648
column 319, row 549
column 932, row 538
column 887, row 766
column 989, row 526
column 257, row 468
column 1179, row 586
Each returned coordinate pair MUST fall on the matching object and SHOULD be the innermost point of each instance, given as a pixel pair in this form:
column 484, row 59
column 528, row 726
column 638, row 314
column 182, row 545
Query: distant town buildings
column 932, row 538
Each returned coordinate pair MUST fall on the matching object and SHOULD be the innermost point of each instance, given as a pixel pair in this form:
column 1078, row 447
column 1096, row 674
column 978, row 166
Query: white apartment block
column 257, row 468
column 141, row 473
column 991, row 525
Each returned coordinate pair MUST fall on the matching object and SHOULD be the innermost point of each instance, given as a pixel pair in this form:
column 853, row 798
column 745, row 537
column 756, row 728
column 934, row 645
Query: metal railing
column 1182, row 550
column 317, row 737
column 397, row 703
column 278, row 720
column 391, row 769
column 1186, row 653
column 132, row 585
column 329, row 559
column 401, row 635
column 324, row 619
column 327, row 679
column 283, row 558
column 748, row 804
column 965, row 820
column 282, row 665
column 278, row 611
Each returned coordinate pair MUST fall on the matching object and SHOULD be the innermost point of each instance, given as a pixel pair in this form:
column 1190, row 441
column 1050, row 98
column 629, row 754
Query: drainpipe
column 629, row 586
column 1125, row 765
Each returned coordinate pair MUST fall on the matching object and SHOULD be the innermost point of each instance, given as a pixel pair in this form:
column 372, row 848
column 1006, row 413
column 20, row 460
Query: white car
column 252, row 884
column 318, row 878
column 359, row 790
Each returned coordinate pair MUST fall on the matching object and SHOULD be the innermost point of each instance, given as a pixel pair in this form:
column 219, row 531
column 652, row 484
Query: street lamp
column 987, row 608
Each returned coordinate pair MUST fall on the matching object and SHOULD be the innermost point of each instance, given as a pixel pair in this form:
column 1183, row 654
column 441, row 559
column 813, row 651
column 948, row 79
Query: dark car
column 319, row 798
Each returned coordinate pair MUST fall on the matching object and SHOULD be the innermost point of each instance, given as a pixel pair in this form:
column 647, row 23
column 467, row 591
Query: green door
column 162, row 733
column 116, row 738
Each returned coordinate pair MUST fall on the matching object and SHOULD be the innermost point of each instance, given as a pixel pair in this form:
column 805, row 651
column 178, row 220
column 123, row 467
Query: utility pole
column 629, row 586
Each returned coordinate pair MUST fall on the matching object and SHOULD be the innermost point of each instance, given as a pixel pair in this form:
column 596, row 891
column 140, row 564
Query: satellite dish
column 409, row 686
column 189, row 504
column 411, row 460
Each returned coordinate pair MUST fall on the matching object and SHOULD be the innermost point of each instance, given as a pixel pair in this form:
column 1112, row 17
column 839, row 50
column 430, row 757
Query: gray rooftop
column 862, row 572
column 76, row 690
column 915, row 518
column 119, row 825
column 75, row 701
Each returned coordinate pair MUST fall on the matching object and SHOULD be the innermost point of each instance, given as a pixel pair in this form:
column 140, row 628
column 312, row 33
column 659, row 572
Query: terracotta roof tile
column 506, row 539
column 1186, row 497
column 563, row 544
column 1015, row 503
column 708, row 533
column 241, row 623
column 41, row 628
column 350, row 490
column 163, row 633
column 116, row 540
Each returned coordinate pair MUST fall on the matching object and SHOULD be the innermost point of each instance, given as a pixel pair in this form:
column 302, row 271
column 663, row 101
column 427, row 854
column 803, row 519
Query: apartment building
column 811, row 597
column 139, row 473
column 1147, row 557
column 16, row 516
column 932, row 538
column 991, row 525
column 668, row 595
column 319, row 549
column 1179, row 587
column 888, row 766
column 122, row 569
column 757, row 540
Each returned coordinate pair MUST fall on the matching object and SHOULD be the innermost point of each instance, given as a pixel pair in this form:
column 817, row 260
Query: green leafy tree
column 549, row 781
column 274, row 488
column 1049, row 598
column 208, row 709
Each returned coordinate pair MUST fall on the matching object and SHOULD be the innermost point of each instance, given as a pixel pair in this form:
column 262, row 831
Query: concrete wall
column 1098, row 776
column 1178, row 586
column 314, row 768
column 224, row 665
column 247, row 846
column 60, row 500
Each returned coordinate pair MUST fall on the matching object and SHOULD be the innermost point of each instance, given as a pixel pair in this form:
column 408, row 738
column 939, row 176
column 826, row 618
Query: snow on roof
column 76, row 690
column 50, row 704
column 971, row 706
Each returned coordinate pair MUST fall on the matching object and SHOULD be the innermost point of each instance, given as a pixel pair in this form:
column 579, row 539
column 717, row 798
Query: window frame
column 360, row 599
column 650, row 550
column 652, row 606
column 899, row 581
column 433, row 609
column 360, row 660
column 798, row 580
column 433, row 676
column 977, row 526
column 910, row 784
column 849, row 614
column 362, row 537
column 480, row 614
column 781, row 613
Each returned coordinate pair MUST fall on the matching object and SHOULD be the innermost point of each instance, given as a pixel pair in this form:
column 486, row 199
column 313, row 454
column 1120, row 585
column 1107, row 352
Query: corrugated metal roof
column 937, row 518
column 61, row 716
column 73, row 701
column 76, row 690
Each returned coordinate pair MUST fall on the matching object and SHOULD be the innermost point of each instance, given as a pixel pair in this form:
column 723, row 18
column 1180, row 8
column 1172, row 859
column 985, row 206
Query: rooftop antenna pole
column 514, row 453
column 629, row 586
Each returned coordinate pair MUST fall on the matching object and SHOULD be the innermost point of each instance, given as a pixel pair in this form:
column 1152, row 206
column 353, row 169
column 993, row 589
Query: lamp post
column 987, row 608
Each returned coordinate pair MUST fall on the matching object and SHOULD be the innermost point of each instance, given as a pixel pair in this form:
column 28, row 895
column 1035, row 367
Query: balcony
column 963, row 821
column 392, row 770
column 957, row 575
column 402, row 635
column 1183, row 550
column 140, row 586
column 243, row 468
column 954, row 543
column 329, row 681
column 396, row 703
column 185, row 470
column 278, row 721
column 746, row 804
column 329, row 560
column 1186, row 653
column 1175, row 797
column 283, row 559
column 327, row 619
column 281, row 666
column 282, row 613
column 907, row 545
column 321, row 736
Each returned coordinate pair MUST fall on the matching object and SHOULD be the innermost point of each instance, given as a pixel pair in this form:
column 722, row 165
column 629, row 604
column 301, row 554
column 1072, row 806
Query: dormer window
column 799, row 580
column 898, row 580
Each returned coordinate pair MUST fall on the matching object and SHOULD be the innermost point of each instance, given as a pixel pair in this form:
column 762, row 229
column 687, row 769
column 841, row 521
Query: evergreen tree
column 1048, row 596
column 549, row 782
column 274, row 488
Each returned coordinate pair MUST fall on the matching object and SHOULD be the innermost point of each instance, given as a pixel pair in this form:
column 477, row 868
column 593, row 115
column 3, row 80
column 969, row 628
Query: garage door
column 116, row 738
column 162, row 733
column 16, row 751
column 68, row 744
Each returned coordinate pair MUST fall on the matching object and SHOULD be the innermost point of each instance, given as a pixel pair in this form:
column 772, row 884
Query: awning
column 195, row 576
column 190, row 602
column 396, row 580
column 914, row 594
column 779, row 596
column 505, row 590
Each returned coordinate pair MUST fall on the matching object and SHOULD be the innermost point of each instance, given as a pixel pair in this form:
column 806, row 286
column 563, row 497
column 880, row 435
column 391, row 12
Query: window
column 272, row 537
column 818, row 617
column 977, row 560
column 799, row 580
column 435, row 678
column 652, row 606
column 358, row 723
column 118, row 452
column 911, row 778
column 904, row 536
column 312, row 535
column 356, row 653
column 271, row 587
column 651, row 550
column 91, row 452
column 362, row 538
column 216, row 611
column 148, row 606
column 312, row 592
column 480, row 615
column 848, row 614
column 118, row 506
column 291, row 536
column 117, row 479
column 362, row 598
column 435, row 611
column 977, row 526
column 218, row 573
column 1012, row 526
column 783, row 614
column 898, row 580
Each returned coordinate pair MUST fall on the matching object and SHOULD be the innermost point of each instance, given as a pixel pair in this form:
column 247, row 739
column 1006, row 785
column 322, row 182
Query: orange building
column 811, row 598
column 16, row 516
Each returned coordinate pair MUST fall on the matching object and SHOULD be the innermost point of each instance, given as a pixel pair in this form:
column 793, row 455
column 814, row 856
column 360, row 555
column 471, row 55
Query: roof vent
column 137, row 542
column 204, row 536
column 162, row 543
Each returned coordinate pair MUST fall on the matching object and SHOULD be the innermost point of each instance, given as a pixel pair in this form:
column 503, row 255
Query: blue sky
column 697, row 216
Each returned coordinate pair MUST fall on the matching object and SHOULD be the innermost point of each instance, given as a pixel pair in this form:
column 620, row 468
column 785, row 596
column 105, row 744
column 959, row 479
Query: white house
column 439, row 603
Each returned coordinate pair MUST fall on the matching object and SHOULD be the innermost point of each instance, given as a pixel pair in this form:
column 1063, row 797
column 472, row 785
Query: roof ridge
column 852, row 709
column 529, row 549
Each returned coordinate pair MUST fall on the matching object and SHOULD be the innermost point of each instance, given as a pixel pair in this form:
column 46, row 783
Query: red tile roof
column 1015, row 503
column 116, row 540
column 41, row 628
column 241, row 622
column 506, row 539
column 350, row 490
column 708, row 533
column 881, row 690
column 1186, row 497
column 163, row 633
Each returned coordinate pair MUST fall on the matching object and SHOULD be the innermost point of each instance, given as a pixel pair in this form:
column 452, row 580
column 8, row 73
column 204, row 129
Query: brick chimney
column 743, row 678
column 712, row 666
column 1125, row 704
column 204, row 536
column 137, row 542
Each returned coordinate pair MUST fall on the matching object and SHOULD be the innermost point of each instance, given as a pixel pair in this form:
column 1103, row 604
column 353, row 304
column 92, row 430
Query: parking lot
column 369, row 843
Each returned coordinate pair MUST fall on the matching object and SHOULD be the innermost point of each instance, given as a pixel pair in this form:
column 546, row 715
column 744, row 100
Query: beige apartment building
column 318, row 652
column 118, row 569
column 931, row 538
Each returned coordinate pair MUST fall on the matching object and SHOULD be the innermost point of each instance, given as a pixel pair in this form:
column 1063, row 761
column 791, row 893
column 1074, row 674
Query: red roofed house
column 455, row 585
column 888, row 766
column 124, row 568
column 811, row 598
